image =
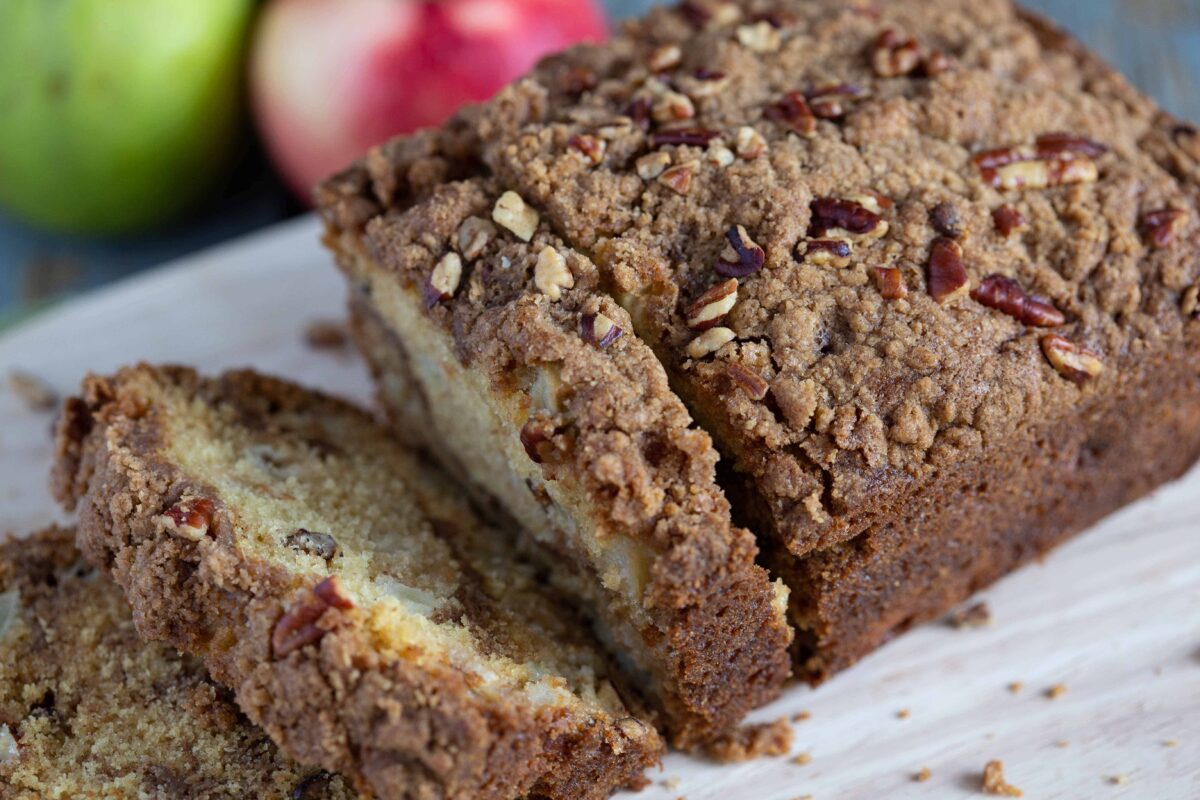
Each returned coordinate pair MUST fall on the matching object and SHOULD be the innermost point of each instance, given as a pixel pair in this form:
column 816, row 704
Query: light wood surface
column 1114, row 615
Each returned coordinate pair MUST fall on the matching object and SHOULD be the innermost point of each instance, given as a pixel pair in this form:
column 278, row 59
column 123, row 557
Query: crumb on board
column 1171, row 743
column 976, row 615
column 801, row 716
column 922, row 775
column 34, row 392
column 1056, row 691
column 802, row 759
column 903, row 713
column 670, row 783
column 326, row 334
column 1062, row 743
column 752, row 741
column 1118, row 780
column 1015, row 687
column 994, row 783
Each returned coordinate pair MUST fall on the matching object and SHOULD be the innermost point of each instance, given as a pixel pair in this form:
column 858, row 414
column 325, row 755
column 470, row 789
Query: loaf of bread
column 926, row 272
column 87, row 709
column 361, row 613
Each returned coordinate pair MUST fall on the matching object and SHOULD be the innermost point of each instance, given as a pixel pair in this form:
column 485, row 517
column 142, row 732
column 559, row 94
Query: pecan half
column 600, row 330
column 697, row 137
column 551, row 274
column 679, row 178
column 712, row 306
column 829, row 101
column 946, row 277
column 1162, row 226
column 1058, row 145
column 444, row 280
column 1074, row 362
column 591, row 147
column 191, row 518
column 742, row 256
column 299, row 627
column 1006, row 295
column 893, row 57
column 794, row 112
column 828, row 252
column 749, row 381
column 1008, row 220
column 710, row 342
column 890, row 282
column 946, row 219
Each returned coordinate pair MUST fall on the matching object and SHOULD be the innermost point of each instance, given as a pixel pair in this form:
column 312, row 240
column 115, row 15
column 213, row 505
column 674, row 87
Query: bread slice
column 525, row 379
column 361, row 612
column 87, row 709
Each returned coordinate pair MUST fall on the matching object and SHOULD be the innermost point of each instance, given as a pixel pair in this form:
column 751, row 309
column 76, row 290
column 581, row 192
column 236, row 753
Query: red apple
column 331, row 78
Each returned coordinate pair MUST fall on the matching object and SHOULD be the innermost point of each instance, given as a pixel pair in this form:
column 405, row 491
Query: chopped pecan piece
column 697, row 137
column 828, row 252
column 600, row 330
column 473, row 236
column 719, row 155
column 191, row 518
column 893, row 57
column 890, row 282
column 830, row 214
column 710, row 342
column 742, row 256
column 946, row 219
column 664, row 58
column 651, row 165
column 299, row 626
column 829, row 101
column 320, row 545
column 444, row 280
column 946, row 277
column 936, row 62
column 794, row 112
column 551, row 274
column 712, row 306
column 708, row 14
column 1006, row 295
column 750, row 381
column 536, row 431
column 513, row 213
column 1008, row 220
column 750, row 143
column 671, row 106
column 1074, row 362
column 1162, row 226
column 590, row 146
column 577, row 80
column 639, row 112
column 1190, row 303
column 1042, row 174
column 761, row 37
column 679, row 178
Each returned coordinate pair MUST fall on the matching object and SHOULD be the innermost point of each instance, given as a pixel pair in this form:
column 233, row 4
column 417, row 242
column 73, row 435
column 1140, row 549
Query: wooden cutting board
column 1114, row 616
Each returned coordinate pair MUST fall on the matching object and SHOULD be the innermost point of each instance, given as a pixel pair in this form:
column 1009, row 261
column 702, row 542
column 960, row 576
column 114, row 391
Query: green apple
column 116, row 115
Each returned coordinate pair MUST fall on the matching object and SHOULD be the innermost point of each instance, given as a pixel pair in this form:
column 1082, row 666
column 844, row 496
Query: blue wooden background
column 1155, row 42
